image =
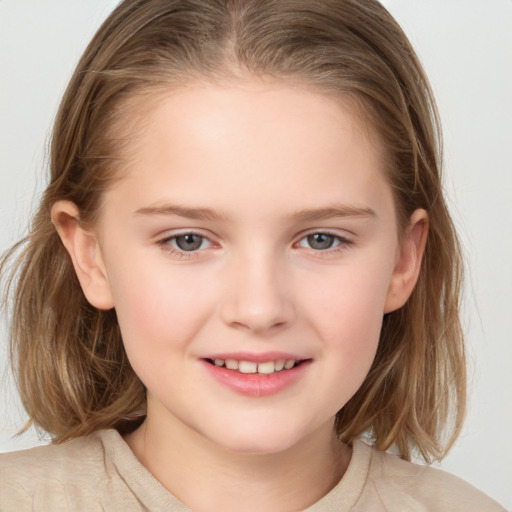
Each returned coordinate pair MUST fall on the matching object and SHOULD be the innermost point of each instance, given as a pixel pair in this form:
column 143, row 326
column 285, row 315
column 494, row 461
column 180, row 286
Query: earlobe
column 408, row 265
column 83, row 248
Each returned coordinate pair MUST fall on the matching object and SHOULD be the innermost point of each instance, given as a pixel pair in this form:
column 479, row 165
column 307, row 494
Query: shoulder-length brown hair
column 72, row 371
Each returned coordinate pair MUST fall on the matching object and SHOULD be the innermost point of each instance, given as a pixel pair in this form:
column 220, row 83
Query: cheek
column 346, row 314
column 348, row 308
column 158, row 309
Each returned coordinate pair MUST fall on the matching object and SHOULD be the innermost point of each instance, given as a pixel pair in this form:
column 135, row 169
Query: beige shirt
column 101, row 473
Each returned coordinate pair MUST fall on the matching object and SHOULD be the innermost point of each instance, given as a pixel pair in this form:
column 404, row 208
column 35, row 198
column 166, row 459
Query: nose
column 258, row 297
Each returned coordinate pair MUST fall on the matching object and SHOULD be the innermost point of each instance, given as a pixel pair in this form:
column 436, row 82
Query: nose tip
column 258, row 301
column 258, row 320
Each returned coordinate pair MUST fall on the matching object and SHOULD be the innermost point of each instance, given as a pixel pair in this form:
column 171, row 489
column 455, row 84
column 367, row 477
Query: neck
column 209, row 478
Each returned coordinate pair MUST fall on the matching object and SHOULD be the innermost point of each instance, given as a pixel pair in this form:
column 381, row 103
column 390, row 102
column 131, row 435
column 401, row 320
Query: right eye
column 186, row 242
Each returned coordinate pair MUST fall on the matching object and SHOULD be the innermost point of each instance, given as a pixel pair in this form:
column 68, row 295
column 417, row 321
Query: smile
column 263, row 368
column 266, row 376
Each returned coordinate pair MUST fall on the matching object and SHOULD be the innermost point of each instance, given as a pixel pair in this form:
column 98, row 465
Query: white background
column 466, row 47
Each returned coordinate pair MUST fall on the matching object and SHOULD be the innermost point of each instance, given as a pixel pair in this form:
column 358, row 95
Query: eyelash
column 165, row 243
column 342, row 244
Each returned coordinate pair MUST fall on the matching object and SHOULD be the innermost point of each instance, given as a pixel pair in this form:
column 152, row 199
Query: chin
column 258, row 439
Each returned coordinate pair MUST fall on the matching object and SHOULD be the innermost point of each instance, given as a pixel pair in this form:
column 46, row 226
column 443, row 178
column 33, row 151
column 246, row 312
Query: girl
column 243, row 264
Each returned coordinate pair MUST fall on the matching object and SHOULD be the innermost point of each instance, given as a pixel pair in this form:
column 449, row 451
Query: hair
column 71, row 368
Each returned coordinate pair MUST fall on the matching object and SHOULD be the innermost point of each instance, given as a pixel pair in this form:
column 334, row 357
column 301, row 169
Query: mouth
column 256, row 375
column 251, row 367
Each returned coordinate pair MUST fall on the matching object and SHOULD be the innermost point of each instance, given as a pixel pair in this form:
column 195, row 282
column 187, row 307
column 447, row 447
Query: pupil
column 189, row 242
column 320, row 241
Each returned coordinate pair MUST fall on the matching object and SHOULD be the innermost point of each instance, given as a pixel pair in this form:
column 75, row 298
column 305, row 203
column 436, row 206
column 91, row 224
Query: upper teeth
column 266, row 368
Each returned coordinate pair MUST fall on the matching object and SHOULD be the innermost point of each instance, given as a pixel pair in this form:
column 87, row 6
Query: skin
column 266, row 160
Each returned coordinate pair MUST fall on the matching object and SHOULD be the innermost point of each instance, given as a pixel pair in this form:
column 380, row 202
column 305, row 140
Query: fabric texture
column 101, row 473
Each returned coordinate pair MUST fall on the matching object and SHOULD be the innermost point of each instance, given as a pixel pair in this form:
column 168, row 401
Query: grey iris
column 189, row 242
column 321, row 241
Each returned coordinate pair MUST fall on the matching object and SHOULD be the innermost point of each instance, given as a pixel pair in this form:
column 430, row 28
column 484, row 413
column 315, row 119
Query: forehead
column 269, row 102
column 227, row 143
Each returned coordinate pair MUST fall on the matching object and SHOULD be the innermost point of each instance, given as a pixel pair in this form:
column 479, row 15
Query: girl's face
column 254, row 229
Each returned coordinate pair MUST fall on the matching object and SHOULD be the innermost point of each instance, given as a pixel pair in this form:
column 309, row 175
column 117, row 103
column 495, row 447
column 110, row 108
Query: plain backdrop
column 466, row 48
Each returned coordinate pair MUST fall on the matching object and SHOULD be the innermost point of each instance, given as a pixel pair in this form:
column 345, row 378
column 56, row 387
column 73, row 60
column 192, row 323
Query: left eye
column 188, row 242
column 320, row 241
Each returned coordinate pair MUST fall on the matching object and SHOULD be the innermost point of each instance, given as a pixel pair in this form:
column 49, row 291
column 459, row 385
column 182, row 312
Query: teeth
column 247, row 367
column 231, row 364
column 266, row 368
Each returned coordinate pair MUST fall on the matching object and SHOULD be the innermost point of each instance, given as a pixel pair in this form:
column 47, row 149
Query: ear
column 83, row 248
column 408, row 265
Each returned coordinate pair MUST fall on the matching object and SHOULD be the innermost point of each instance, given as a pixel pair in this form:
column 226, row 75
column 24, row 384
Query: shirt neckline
column 155, row 496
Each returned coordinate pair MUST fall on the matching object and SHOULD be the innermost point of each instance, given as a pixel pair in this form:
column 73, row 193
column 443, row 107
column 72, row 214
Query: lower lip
column 255, row 384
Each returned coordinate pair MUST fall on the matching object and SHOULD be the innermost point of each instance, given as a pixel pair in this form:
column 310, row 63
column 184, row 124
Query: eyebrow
column 309, row 215
column 182, row 211
column 337, row 211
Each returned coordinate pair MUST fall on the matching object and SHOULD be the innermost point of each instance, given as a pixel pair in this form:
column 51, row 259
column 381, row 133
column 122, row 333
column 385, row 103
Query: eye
column 187, row 242
column 321, row 241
